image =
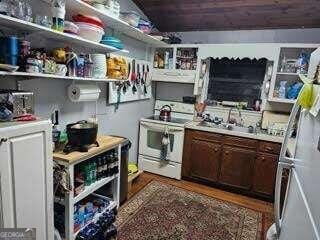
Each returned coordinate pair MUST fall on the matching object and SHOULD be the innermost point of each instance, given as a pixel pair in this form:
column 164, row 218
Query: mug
column 49, row 66
column 61, row 69
column 59, row 55
column 34, row 65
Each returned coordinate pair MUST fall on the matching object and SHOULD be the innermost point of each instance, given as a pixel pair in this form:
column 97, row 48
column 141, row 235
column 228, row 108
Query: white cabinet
column 288, row 70
column 26, row 187
column 177, row 63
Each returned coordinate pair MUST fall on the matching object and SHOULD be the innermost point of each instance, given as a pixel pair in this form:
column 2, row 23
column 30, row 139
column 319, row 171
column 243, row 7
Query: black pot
column 82, row 133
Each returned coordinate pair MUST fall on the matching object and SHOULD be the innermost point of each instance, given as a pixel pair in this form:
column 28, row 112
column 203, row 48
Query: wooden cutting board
column 105, row 143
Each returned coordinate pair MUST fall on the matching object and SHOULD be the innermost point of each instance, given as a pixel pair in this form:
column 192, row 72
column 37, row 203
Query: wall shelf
column 78, row 6
column 283, row 100
column 24, row 27
column 290, row 74
column 52, row 76
column 93, row 187
column 111, row 206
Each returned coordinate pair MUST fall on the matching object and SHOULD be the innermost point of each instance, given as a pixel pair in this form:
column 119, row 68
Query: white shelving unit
column 69, row 161
column 93, row 187
column 78, row 6
column 174, row 75
column 26, row 75
column 25, row 27
column 112, row 205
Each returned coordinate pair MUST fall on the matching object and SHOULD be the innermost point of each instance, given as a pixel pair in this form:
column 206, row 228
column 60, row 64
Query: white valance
column 240, row 51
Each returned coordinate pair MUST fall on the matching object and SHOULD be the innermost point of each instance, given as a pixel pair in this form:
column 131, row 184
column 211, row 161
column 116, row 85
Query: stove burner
column 82, row 148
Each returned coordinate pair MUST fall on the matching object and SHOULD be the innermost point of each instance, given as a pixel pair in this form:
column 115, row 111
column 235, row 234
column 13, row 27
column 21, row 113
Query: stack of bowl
column 90, row 27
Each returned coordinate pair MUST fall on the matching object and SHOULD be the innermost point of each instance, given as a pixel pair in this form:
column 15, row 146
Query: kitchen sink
column 226, row 126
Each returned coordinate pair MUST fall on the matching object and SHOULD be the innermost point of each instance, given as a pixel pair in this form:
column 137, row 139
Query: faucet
column 240, row 116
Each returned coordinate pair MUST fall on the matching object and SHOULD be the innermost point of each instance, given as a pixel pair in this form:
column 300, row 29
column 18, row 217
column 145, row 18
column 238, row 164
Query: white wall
column 50, row 94
column 311, row 35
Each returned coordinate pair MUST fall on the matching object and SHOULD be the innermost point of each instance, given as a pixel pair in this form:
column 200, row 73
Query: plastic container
column 90, row 32
column 99, row 67
column 88, row 19
column 131, row 18
column 282, row 89
column 112, row 41
column 58, row 14
column 145, row 26
column 70, row 27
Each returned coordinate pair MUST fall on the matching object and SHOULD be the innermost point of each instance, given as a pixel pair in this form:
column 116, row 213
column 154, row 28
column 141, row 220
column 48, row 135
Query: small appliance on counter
column 15, row 104
column 81, row 135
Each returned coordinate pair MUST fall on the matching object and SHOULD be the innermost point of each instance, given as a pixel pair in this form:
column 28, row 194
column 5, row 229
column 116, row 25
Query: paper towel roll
column 83, row 92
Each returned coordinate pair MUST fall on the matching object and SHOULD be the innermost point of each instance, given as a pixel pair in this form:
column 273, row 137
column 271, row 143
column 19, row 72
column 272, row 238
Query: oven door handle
column 161, row 129
column 175, row 129
column 152, row 127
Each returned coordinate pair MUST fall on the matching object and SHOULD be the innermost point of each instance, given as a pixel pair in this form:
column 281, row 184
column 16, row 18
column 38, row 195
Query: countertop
column 259, row 136
column 105, row 143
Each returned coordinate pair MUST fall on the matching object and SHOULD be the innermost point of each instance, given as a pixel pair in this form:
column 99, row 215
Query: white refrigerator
column 300, row 216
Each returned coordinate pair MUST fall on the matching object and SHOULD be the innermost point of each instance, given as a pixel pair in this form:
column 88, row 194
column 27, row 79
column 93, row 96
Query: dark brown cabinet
column 203, row 157
column 207, row 155
column 236, row 167
column 264, row 177
column 241, row 164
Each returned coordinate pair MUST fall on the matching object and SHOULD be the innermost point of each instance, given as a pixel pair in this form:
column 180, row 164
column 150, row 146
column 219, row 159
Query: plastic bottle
column 282, row 89
column 58, row 10
column 94, row 171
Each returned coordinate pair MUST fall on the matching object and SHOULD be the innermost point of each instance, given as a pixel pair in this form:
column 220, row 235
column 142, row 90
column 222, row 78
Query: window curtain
column 204, row 80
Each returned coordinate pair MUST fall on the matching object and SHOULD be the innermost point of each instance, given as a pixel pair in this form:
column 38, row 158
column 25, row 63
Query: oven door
column 151, row 135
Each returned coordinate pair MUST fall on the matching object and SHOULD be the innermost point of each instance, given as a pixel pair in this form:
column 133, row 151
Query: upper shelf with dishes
column 87, row 31
column 128, row 23
column 293, row 61
column 175, row 64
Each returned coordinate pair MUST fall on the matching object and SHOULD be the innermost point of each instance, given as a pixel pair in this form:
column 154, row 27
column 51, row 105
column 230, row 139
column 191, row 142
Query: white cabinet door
column 6, row 194
column 26, row 178
column 314, row 62
column 29, row 176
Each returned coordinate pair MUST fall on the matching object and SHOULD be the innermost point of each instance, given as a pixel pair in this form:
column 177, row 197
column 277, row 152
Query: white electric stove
column 152, row 131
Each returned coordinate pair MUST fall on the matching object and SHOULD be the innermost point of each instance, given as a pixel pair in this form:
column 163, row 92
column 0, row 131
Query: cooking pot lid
column 84, row 126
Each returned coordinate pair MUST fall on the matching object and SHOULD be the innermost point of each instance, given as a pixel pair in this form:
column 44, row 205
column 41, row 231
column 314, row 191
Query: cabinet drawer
column 201, row 135
column 153, row 165
column 270, row 147
column 241, row 142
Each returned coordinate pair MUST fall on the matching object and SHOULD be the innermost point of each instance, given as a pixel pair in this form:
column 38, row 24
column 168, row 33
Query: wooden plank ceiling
column 202, row 15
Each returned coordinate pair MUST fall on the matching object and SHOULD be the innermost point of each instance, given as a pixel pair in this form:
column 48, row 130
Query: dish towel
column 164, row 145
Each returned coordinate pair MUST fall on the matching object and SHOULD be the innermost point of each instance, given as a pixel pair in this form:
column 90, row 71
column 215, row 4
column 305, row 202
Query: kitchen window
column 236, row 80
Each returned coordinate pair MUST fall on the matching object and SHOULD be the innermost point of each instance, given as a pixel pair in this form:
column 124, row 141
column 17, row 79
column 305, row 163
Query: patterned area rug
column 165, row 212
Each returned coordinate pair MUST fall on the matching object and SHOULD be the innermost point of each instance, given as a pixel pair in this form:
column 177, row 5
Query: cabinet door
column 205, row 158
column 30, row 182
column 236, row 167
column 6, row 194
column 265, row 170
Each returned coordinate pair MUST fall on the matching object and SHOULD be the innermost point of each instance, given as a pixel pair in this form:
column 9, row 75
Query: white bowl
column 90, row 32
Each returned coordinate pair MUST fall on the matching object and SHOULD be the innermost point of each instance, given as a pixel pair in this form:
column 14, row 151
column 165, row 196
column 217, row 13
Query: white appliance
column 26, row 181
column 300, row 216
column 152, row 131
